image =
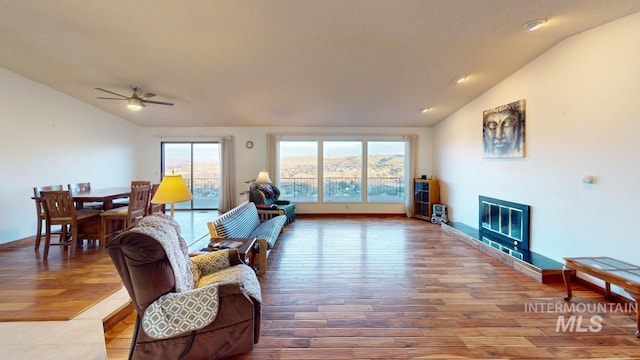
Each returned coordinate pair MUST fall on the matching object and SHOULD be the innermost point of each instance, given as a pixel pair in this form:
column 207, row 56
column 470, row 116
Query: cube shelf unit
column 425, row 194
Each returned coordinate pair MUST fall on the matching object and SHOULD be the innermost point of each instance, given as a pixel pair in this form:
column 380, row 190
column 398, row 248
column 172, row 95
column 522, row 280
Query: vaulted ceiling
column 286, row 62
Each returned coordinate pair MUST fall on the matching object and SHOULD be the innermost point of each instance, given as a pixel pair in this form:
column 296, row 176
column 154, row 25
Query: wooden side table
column 611, row 271
column 247, row 250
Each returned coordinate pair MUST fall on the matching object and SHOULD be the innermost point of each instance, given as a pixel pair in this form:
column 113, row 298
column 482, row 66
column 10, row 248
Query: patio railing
column 348, row 189
column 206, row 191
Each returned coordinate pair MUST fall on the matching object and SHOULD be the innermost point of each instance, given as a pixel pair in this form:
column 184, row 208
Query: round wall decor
column 249, row 144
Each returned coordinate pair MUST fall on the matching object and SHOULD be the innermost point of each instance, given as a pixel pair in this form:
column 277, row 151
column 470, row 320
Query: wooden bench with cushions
column 243, row 221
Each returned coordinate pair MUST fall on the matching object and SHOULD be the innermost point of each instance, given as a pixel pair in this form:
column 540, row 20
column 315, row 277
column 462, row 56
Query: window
column 199, row 165
column 342, row 171
column 334, row 171
column 299, row 171
column 385, row 171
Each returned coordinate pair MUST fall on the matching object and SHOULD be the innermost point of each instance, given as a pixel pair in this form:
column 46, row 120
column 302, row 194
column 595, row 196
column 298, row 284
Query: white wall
column 250, row 161
column 49, row 138
column 582, row 118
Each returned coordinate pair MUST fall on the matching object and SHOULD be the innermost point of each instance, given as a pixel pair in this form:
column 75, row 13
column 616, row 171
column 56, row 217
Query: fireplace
column 504, row 225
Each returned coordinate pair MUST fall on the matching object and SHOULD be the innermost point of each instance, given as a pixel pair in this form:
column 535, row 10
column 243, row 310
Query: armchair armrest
column 211, row 261
column 174, row 313
column 206, row 260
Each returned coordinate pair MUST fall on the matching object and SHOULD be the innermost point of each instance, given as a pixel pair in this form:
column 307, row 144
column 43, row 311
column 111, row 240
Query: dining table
column 103, row 195
column 91, row 229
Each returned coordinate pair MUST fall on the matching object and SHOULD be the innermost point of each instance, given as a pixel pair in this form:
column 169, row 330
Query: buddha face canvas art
column 503, row 130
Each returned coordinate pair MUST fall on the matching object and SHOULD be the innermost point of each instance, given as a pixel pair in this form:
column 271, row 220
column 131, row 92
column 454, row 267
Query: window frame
column 364, row 140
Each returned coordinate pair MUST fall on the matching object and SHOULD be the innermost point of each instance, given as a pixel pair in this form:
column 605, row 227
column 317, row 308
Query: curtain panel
column 411, row 148
column 228, row 178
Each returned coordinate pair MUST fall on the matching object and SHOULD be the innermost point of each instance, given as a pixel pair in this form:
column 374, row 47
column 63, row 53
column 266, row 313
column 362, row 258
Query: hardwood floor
column 57, row 289
column 61, row 287
column 397, row 288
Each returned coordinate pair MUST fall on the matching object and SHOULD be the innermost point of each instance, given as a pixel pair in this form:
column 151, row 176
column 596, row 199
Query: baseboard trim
column 552, row 274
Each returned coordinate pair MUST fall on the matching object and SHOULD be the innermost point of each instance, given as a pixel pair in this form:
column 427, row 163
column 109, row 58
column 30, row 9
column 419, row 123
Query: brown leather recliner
column 201, row 307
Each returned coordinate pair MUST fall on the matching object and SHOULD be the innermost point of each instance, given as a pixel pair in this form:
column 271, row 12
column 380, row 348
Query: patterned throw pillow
column 267, row 190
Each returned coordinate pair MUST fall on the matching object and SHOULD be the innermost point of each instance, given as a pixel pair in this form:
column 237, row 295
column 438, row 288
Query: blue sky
column 201, row 151
column 181, row 151
column 340, row 148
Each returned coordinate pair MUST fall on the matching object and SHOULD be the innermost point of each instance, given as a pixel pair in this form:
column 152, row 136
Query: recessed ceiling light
column 425, row 110
column 534, row 24
column 458, row 79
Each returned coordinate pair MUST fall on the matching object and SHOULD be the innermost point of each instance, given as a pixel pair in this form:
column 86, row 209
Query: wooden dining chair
column 82, row 187
column 37, row 197
column 134, row 183
column 155, row 208
column 125, row 216
column 60, row 210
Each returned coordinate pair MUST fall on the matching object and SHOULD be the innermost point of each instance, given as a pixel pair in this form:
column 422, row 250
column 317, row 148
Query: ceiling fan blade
column 147, row 95
column 105, row 98
column 112, row 93
column 157, row 102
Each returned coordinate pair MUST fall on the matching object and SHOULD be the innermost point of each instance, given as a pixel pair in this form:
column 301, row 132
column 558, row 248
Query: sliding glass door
column 199, row 165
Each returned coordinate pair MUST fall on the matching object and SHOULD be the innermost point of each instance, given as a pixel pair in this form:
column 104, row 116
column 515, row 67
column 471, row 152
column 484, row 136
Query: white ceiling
column 285, row 62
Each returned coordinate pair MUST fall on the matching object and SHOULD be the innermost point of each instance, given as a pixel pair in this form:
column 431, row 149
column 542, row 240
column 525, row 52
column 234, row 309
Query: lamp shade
column 263, row 177
column 172, row 189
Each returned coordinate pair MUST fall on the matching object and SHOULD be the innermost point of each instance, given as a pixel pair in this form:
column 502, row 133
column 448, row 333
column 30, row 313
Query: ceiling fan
column 135, row 101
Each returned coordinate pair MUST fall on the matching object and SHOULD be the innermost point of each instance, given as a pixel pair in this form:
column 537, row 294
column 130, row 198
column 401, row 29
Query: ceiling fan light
column 134, row 104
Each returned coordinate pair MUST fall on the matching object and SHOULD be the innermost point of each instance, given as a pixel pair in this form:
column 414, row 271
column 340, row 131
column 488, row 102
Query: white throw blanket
column 166, row 231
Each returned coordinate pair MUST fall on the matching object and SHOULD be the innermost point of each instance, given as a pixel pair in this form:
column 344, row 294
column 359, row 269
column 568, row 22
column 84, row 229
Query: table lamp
column 263, row 177
column 172, row 189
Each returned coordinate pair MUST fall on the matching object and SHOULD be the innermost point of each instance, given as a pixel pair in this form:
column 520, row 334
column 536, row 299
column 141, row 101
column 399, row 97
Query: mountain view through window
column 342, row 165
